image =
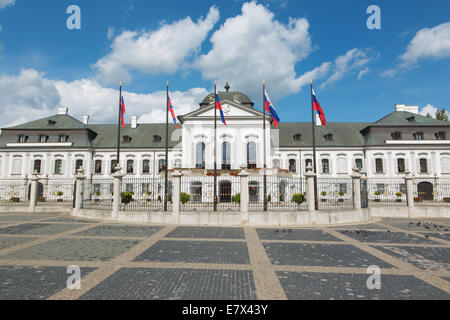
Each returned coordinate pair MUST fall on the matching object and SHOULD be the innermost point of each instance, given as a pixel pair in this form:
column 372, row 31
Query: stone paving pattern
column 146, row 262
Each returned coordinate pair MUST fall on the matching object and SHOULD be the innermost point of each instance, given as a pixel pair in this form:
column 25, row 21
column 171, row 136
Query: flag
column 317, row 107
column 122, row 112
column 172, row 111
column 270, row 109
column 219, row 107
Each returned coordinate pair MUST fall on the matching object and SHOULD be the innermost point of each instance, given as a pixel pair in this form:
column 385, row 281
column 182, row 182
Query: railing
column 56, row 193
column 197, row 193
column 14, row 193
column 98, row 194
column 335, row 193
column 431, row 192
column 145, row 194
column 387, row 192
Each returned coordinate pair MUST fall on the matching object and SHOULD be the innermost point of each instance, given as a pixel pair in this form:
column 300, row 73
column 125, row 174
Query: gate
column 364, row 195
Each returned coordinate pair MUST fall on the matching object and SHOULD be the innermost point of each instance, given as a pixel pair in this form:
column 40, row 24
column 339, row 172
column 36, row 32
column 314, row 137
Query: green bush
column 236, row 198
column 377, row 193
column 281, row 198
column 298, row 198
column 323, row 194
column 269, row 198
column 169, row 198
column 399, row 194
column 127, row 197
column 59, row 193
column 341, row 193
column 185, row 197
column 159, row 198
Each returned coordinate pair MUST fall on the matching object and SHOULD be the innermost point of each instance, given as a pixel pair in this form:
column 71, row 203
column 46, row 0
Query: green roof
column 60, row 121
column 400, row 118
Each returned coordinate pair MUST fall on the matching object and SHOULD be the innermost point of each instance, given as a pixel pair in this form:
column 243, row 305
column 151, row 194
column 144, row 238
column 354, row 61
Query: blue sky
column 359, row 74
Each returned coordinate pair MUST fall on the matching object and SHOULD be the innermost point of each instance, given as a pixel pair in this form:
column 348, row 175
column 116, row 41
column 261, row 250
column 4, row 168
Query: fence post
column 310, row 189
column 243, row 177
column 80, row 177
column 25, row 183
column 176, row 194
column 117, row 198
column 33, row 191
column 356, row 178
column 409, row 189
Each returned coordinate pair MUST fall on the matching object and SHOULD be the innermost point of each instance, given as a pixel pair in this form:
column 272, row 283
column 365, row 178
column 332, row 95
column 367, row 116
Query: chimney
column 134, row 122
column 86, row 120
column 63, row 110
column 403, row 107
column 318, row 122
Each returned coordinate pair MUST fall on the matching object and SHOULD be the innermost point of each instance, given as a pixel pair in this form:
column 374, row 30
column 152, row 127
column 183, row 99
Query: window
column 162, row 165
column 341, row 165
column 157, row 139
column 251, row 155
column 129, row 187
column 178, row 163
column 63, row 138
column 98, row 167
column 440, row 135
column 359, row 163
column 423, row 165
column 196, row 191
column 396, row 136
column 51, row 122
column 126, row 139
column 276, row 164
column 226, row 156
column 17, row 166
column 379, row 165
column 403, row 188
column 401, row 168
column 343, row 187
column 146, row 166
column 97, row 189
column 200, row 155
column 292, row 165
column 418, row 136
column 411, row 119
column 37, row 166
column 22, row 139
column 298, row 137
column 325, row 166
column 43, row 139
column 114, row 164
column 328, row 137
column 130, row 166
column 380, row 188
column 308, row 162
column 146, row 188
column 78, row 164
column 58, row 166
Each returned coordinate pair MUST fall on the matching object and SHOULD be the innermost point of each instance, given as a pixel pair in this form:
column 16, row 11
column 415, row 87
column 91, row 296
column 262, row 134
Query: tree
column 442, row 115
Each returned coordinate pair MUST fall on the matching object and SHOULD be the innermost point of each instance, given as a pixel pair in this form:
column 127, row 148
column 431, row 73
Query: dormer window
column 298, row 137
column 127, row 139
column 418, row 136
column 396, row 135
column 157, row 139
column 43, row 138
column 51, row 122
column 411, row 119
column 63, row 138
column 328, row 137
column 440, row 135
column 22, row 139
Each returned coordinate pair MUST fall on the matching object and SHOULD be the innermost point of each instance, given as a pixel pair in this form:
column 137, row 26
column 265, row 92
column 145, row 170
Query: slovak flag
column 270, row 109
column 172, row 111
column 122, row 112
column 219, row 107
column 317, row 107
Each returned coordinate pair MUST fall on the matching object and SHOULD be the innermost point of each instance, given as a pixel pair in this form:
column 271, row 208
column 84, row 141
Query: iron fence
column 14, row 193
column 56, row 193
column 335, row 193
column 98, row 194
column 431, row 192
column 387, row 192
column 145, row 194
column 197, row 193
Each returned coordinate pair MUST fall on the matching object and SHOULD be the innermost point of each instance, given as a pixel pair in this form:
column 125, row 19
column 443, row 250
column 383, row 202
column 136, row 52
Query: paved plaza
column 155, row 262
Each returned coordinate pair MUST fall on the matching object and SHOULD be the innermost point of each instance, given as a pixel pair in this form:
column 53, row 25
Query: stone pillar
column 409, row 189
column 310, row 188
column 80, row 177
column 33, row 192
column 117, row 198
column 25, row 183
column 243, row 176
column 356, row 178
column 176, row 196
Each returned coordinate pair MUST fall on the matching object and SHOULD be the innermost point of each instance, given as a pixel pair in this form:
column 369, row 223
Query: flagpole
column 118, row 127
column 166, row 178
column 316, row 204
column 215, row 145
column 264, row 141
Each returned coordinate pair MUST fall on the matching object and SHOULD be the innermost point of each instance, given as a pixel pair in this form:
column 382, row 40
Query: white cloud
column 429, row 109
column 1, row 28
column 254, row 46
column 427, row 43
column 110, row 33
column 6, row 3
column 163, row 50
column 352, row 60
column 363, row 72
column 32, row 96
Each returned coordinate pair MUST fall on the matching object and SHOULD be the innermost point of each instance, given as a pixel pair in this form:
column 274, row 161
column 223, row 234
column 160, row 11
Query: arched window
column 130, row 166
column 58, row 166
column 226, row 156
column 325, row 166
column 200, row 155
column 292, row 165
column 196, row 191
column 98, row 167
column 146, row 166
column 251, row 155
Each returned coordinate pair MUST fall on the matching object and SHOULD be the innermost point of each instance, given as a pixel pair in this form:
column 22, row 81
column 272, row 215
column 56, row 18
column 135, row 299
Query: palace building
column 58, row 145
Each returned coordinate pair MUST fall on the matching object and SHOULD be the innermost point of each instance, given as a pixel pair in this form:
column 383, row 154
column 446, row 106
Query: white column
column 33, row 195
column 356, row 178
column 243, row 175
column 117, row 198
column 176, row 196
column 310, row 188
column 409, row 189
column 80, row 177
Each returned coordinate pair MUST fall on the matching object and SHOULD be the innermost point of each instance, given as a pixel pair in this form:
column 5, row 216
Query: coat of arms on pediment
column 237, row 98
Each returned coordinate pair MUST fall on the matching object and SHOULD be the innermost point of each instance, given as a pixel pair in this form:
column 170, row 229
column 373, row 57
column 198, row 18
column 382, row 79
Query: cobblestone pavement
column 126, row 261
